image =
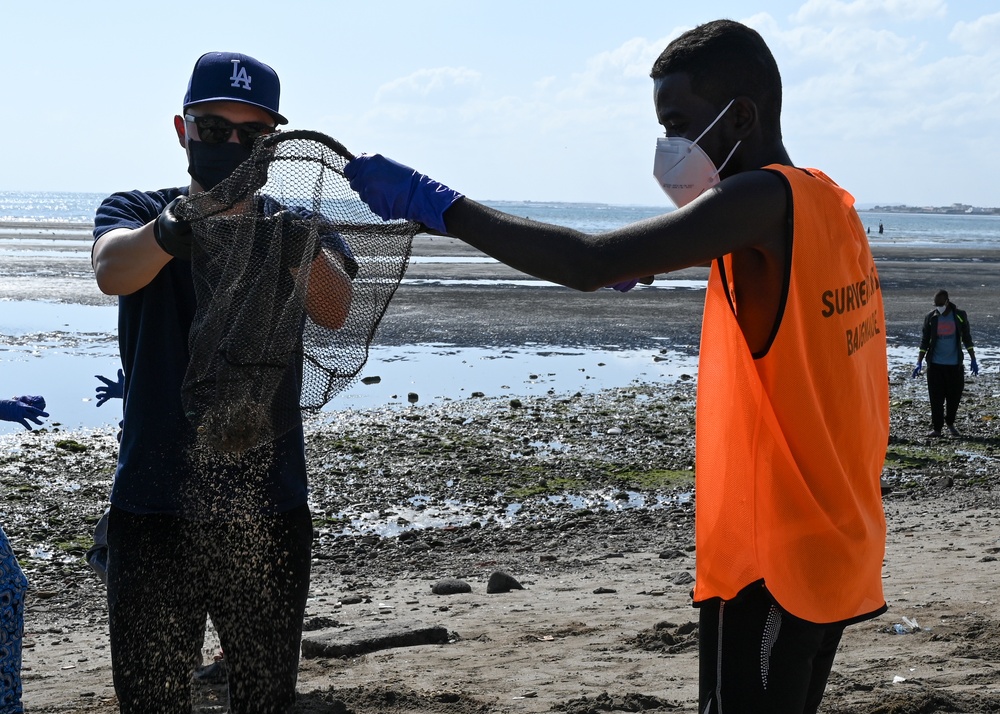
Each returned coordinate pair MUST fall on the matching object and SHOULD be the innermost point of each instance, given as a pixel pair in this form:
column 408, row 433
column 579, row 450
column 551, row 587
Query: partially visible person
column 945, row 332
column 792, row 418
column 13, row 586
column 13, row 583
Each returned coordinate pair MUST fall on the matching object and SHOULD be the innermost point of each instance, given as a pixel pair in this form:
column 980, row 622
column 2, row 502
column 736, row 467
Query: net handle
column 276, row 138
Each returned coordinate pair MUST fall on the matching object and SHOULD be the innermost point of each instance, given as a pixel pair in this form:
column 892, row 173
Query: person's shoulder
column 757, row 195
column 136, row 197
column 131, row 209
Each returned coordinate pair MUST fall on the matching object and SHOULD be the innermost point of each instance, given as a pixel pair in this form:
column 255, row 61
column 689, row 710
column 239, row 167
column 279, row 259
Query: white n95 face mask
column 683, row 169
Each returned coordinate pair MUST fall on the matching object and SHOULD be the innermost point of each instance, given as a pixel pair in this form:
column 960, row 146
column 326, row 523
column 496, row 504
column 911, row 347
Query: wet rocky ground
column 468, row 487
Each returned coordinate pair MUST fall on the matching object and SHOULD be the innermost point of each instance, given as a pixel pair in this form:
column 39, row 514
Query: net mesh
column 292, row 274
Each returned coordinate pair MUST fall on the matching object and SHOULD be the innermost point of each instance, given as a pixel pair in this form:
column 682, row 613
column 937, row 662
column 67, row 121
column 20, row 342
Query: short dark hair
column 726, row 59
column 941, row 294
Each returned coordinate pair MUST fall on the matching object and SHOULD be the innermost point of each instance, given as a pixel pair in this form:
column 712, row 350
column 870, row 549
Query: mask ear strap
column 719, row 170
column 714, row 122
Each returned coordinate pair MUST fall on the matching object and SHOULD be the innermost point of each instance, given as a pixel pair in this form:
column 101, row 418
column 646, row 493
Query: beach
column 584, row 499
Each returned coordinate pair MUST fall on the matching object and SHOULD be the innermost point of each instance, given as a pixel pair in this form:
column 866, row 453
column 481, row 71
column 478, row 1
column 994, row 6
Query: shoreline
column 909, row 275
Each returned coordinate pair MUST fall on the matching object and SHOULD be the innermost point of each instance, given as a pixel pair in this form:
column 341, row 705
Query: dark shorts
column 755, row 657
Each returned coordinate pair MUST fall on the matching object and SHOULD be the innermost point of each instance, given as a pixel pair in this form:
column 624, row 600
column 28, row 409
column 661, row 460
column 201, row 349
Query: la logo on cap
column 240, row 76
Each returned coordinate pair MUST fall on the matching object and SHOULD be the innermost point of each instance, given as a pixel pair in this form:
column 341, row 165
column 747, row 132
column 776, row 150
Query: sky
column 543, row 100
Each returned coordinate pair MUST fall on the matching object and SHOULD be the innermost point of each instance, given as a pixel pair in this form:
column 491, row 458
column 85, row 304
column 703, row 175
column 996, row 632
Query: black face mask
column 211, row 164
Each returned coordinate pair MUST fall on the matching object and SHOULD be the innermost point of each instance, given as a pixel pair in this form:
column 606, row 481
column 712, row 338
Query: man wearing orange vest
column 793, row 404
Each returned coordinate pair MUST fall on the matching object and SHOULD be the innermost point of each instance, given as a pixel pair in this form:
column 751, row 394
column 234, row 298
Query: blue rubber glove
column 916, row 370
column 625, row 286
column 21, row 412
column 974, row 367
column 394, row 191
column 110, row 390
column 33, row 400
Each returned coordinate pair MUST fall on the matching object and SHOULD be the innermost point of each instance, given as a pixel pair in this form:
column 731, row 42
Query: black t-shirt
column 158, row 470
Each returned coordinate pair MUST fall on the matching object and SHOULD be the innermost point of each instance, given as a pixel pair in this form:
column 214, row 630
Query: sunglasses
column 217, row 130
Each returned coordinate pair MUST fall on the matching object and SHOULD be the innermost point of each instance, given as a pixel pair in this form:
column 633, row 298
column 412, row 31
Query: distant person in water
column 881, row 228
column 946, row 330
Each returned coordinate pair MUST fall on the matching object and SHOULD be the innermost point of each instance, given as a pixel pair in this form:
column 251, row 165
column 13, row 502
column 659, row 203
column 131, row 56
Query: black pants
column 945, row 384
column 166, row 573
column 754, row 658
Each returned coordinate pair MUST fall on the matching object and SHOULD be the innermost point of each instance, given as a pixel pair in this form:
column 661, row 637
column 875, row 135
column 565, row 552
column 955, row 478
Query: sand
column 602, row 623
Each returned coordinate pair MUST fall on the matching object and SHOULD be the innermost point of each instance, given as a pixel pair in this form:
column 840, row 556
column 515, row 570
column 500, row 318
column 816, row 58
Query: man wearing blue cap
column 192, row 532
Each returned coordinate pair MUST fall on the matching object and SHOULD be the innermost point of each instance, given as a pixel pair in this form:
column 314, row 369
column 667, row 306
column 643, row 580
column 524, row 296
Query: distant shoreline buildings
column 954, row 209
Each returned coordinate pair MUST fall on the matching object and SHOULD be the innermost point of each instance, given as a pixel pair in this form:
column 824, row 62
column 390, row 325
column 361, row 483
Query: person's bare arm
column 127, row 260
column 330, row 291
column 745, row 212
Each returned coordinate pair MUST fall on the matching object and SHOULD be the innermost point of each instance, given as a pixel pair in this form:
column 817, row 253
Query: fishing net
column 292, row 274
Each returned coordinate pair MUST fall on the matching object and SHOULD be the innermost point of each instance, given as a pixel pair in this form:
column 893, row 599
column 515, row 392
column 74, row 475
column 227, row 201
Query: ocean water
column 965, row 231
column 46, row 207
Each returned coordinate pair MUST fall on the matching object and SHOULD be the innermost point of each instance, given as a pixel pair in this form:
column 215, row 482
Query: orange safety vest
column 790, row 444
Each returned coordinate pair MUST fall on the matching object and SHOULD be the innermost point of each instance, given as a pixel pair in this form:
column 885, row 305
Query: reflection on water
column 57, row 349
column 421, row 512
column 28, row 317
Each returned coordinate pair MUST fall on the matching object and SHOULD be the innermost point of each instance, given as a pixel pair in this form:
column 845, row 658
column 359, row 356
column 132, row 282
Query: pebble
column 450, row 586
column 501, row 582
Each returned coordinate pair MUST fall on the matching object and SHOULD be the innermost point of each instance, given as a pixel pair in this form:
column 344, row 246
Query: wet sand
column 603, row 622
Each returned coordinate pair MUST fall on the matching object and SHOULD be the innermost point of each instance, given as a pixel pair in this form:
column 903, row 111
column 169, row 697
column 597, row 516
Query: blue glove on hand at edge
column 32, row 400
column 22, row 411
column 111, row 390
column 395, row 191
column 625, row 286
column 974, row 367
column 916, row 370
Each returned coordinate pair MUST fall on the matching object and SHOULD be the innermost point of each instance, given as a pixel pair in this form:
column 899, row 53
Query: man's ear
column 746, row 117
column 181, row 130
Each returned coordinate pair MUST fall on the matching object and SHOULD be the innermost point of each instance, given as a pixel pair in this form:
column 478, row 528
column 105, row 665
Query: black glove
column 172, row 234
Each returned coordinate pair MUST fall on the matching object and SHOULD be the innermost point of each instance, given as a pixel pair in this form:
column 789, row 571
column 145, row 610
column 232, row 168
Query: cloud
column 866, row 84
column 870, row 83
column 863, row 11
column 613, row 89
column 441, row 82
column 981, row 35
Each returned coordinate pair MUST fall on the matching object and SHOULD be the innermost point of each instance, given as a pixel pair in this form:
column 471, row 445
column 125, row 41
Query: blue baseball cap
column 234, row 77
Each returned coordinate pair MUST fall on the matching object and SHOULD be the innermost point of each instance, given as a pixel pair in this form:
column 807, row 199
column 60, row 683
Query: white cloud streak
column 825, row 12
